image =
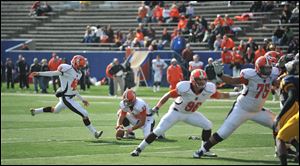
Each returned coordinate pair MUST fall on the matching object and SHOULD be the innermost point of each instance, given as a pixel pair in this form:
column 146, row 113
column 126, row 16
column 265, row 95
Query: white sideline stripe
column 227, row 150
column 118, row 98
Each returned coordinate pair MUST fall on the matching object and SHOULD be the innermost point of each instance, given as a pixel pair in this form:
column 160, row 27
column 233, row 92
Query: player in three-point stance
column 69, row 75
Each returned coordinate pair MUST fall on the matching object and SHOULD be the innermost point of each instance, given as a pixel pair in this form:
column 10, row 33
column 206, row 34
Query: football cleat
column 32, row 112
column 98, row 134
column 210, row 154
column 198, row 154
column 136, row 152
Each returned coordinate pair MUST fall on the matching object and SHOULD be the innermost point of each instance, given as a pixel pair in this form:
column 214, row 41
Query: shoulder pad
column 210, row 87
column 64, row 67
column 153, row 60
column 140, row 103
column 247, row 73
column 183, row 87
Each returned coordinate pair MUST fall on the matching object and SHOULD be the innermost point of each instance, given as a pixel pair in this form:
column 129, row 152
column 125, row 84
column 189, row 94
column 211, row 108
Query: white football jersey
column 158, row 66
column 69, row 79
column 139, row 106
column 195, row 65
column 188, row 101
column 256, row 92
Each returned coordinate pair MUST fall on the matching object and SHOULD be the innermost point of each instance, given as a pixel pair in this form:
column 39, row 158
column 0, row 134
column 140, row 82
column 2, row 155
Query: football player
column 134, row 111
column 189, row 96
column 287, row 122
column 158, row 65
column 249, row 105
column 69, row 75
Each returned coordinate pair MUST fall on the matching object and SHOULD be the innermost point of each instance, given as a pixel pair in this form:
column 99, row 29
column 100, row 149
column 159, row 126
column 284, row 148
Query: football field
column 63, row 139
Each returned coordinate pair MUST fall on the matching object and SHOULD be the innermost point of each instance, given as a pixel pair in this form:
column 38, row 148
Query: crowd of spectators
column 40, row 10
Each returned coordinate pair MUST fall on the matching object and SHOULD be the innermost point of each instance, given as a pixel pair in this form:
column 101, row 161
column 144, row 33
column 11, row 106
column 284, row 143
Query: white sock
column 143, row 145
column 92, row 129
column 38, row 110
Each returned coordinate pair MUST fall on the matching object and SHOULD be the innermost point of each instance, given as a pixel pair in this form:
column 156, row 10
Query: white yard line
column 119, row 98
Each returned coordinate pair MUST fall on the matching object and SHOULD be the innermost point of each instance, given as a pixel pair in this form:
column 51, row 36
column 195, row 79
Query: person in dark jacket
column 117, row 70
column 36, row 67
column 22, row 68
column 129, row 76
column 44, row 80
column 9, row 71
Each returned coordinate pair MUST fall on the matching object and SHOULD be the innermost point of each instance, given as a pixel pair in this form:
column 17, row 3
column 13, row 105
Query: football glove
column 154, row 110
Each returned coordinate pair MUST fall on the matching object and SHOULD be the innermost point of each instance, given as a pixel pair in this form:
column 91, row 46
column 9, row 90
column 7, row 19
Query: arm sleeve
column 50, row 73
column 173, row 93
column 288, row 103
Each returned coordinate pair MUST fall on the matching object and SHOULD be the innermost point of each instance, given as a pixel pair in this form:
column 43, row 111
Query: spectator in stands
column 174, row 74
column 157, row 15
column 277, row 35
column 9, row 72
column 259, row 52
column 227, row 42
column 44, row 80
column 295, row 14
column 242, row 49
column 249, row 57
column 36, row 67
column 46, row 8
column 287, row 37
column 139, row 37
column 210, row 71
column 174, row 33
column 178, row 43
column 256, row 6
column 119, row 38
column 196, row 63
column 252, row 44
column 53, row 64
column 219, row 20
column 236, row 62
column 110, row 79
column 153, row 46
column 182, row 8
column 117, row 70
column 293, row 46
column 22, row 68
column 142, row 13
column 98, row 33
column 24, row 47
column 199, row 31
column 228, row 22
column 267, row 6
column 110, row 34
column 166, row 13
column 190, row 12
column 36, row 9
column 217, row 43
column 286, row 14
column 150, row 33
column 88, row 36
column 166, row 37
column 84, row 4
column 226, row 56
column 144, row 30
column 174, row 14
column 182, row 24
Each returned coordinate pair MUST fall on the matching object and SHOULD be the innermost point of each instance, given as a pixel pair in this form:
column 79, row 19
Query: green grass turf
column 63, row 139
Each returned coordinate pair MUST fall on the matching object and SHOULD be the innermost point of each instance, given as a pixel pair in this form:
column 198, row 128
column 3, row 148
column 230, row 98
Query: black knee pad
column 86, row 121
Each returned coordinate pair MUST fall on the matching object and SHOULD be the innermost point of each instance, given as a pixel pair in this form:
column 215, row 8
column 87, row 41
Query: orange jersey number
column 192, row 106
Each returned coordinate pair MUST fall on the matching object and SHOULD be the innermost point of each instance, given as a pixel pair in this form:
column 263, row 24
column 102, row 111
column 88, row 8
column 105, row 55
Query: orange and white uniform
column 184, row 108
column 134, row 114
column 249, row 105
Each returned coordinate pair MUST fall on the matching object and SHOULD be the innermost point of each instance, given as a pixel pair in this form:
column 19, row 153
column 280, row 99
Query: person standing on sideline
column 53, row 64
column 158, row 65
column 174, row 74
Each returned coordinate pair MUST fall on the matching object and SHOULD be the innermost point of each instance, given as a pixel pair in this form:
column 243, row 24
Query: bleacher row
column 64, row 29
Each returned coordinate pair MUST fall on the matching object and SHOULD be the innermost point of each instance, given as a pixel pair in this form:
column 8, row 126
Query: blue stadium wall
column 98, row 60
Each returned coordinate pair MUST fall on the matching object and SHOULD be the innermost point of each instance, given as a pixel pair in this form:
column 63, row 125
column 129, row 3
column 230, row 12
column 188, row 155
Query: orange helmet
column 78, row 62
column 198, row 78
column 129, row 97
column 263, row 66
